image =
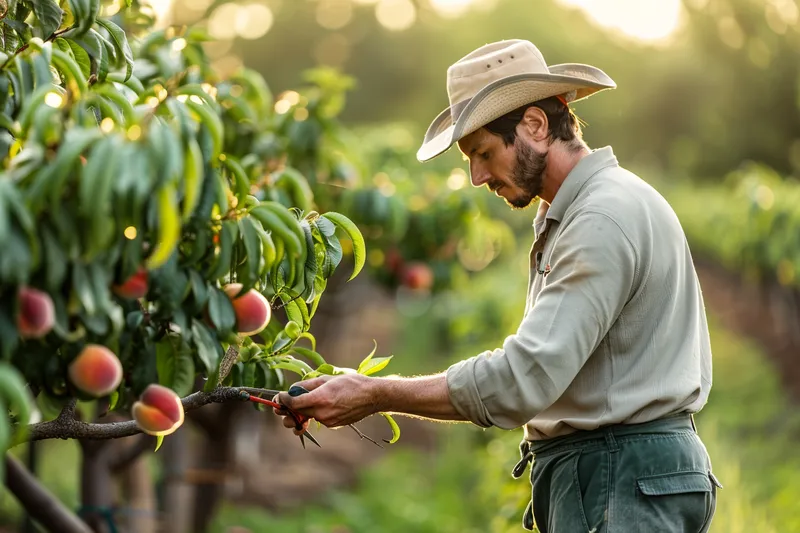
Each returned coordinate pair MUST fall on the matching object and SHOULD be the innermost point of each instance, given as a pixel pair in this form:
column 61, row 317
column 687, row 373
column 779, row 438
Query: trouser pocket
column 563, row 485
column 675, row 502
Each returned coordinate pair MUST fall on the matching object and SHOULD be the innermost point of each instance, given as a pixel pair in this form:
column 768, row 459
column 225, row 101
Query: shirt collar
column 575, row 180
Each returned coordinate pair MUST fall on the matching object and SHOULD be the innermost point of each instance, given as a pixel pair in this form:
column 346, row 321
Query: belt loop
column 691, row 417
column 611, row 442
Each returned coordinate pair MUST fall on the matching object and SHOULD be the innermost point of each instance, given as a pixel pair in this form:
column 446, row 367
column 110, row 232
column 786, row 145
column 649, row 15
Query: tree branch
column 39, row 503
column 65, row 426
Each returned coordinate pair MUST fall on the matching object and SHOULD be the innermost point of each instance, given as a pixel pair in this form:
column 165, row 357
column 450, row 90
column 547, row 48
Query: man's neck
column 561, row 159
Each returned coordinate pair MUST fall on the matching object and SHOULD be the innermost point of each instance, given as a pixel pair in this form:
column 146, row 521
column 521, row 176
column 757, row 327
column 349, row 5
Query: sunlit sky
column 648, row 20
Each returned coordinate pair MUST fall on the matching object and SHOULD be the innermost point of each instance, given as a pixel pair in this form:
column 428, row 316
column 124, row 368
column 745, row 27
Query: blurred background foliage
column 707, row 110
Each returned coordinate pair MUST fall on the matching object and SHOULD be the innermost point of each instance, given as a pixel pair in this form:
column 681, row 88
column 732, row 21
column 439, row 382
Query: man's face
column 513, row 172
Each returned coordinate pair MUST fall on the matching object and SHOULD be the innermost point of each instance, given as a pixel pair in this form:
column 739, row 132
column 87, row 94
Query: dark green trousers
column 651, row 478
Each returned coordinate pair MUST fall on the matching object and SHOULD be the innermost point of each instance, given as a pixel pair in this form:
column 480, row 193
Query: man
column 612, row 355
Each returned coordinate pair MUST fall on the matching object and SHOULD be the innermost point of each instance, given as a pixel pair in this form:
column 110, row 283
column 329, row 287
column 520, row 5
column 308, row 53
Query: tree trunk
column 97, row 487
column 177, row 500
column 211, row 467
column 140, row 497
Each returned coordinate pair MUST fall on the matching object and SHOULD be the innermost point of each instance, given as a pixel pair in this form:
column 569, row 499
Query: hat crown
column 492, row 62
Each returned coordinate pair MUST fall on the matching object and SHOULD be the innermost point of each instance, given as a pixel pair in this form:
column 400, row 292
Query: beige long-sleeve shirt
column 614, row 329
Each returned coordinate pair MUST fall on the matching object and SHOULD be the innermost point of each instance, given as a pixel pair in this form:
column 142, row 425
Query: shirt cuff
column 464, row 394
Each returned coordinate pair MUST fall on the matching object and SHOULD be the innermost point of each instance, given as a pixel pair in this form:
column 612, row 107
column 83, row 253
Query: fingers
column 311, row 384
column 279, row 411
column 304, row 401
column 289, row 423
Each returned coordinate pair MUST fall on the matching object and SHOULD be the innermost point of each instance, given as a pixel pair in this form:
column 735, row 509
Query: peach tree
column 154, row 232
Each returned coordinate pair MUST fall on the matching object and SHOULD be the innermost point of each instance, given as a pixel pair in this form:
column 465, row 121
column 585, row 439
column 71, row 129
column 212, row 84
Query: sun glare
column 647, row 20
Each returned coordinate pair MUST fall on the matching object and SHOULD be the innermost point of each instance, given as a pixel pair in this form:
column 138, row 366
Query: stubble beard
column 528, row 175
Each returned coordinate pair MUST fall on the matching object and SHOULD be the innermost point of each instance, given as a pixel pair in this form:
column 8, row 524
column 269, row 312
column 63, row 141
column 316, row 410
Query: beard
column 528, row 175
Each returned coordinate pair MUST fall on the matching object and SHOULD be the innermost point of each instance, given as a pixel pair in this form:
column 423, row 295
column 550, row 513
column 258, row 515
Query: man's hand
column 333, row 401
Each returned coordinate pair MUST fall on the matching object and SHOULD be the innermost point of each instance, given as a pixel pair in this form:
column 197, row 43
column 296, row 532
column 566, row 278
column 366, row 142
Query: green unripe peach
column 292, row 329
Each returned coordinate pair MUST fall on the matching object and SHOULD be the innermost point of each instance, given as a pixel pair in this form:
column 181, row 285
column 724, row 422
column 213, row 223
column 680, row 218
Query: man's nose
column 478, row 176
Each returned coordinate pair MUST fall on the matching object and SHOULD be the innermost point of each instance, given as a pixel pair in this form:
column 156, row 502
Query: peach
column 158, row 411
column 418, row 275
column 134, row 287
column 36, row 313
column 96, row 371
column 251, row 308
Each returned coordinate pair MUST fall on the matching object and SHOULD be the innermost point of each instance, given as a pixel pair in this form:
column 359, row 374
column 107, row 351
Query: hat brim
column 505, row 95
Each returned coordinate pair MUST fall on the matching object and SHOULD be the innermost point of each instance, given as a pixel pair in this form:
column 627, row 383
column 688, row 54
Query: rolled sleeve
column 593, row 268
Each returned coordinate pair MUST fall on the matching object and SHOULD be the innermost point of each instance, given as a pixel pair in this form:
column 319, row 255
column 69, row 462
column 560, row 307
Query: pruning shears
column 299, row 419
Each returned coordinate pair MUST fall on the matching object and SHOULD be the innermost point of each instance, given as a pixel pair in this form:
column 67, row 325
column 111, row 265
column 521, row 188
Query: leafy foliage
column 749, row 223
column 111, row 166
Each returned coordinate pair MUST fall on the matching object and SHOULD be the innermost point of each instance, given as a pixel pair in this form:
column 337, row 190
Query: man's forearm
column 426, row 396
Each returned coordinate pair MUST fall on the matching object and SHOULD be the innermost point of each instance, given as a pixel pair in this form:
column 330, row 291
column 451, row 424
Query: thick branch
column 40, row 504
column 66, row 427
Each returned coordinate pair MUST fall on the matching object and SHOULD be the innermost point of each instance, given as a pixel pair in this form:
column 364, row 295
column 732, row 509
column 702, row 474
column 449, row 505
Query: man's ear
column 534, row 125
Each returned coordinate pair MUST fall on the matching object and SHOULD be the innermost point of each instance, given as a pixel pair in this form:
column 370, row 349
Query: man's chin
column 521, row 202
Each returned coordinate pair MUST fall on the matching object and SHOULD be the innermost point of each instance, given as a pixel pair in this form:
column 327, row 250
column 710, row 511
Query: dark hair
column 564, row 124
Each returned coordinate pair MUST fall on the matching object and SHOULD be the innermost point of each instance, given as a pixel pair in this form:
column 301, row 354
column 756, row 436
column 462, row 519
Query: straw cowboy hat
column 498, row 78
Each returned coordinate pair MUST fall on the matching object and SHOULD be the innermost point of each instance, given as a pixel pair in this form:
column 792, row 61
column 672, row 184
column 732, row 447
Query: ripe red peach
column 158, row 411
column 417, row 275
column 96, row 371
column 134, row 287
column 251, row 308
column 36, row 313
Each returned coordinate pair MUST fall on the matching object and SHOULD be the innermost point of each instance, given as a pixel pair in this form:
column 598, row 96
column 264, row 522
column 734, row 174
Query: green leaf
column 49, row 15
column 175, row 366
column 192, row 177
column 159, row 442
column 325, row 226
column 375, row 365
column 55, row 259
column 241, row 183
column 113, row 399
column 70, row 68
column 227, row 237
column 294, row 365
column 220, row 309
column 13, row 388
column 297, row 186
column 121, row 42
column 252, row 244
column 213, row 124
column 84, row 13
column 395, row 429
column 295, row 312
column 169, row 227
column 310, row 337
column 81, row 57
column 94, row 192
column 311, row 355
column 359, row 247
column 208, row 349
column 82, row 285
column 368, row 358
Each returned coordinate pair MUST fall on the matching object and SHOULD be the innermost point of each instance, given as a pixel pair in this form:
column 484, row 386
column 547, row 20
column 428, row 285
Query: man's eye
column 484, row 155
